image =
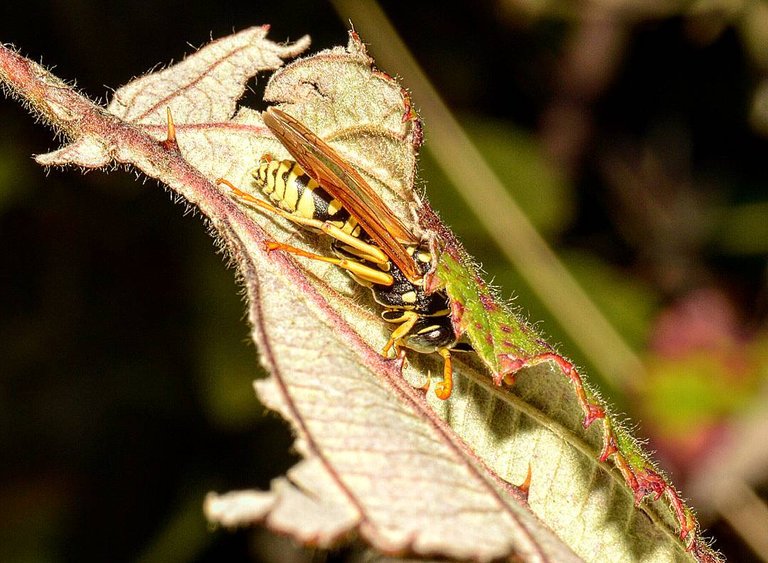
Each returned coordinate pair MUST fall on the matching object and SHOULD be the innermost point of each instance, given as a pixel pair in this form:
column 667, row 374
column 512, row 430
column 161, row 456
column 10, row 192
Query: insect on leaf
column 383, row 459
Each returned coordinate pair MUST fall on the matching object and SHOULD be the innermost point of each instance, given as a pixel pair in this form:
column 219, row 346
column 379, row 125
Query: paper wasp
column 322, row 192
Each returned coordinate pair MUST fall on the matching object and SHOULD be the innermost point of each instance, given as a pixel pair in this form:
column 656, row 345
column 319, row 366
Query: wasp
column 320, row 191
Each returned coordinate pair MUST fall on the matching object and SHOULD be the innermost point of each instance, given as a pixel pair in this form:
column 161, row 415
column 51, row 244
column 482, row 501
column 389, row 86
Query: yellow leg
column 444, row 388
column 408, row 320
column 256, row 202
column 368, row 251
column 249, row 198
column 360, row 270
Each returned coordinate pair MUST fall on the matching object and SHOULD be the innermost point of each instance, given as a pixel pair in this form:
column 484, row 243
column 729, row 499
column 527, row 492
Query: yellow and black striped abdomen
column 292, row 190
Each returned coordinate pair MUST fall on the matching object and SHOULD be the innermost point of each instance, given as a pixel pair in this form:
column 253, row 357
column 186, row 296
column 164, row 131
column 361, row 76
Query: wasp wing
column 340, row 180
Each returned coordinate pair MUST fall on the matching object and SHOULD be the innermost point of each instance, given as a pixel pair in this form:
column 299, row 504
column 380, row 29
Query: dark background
column 125, row 365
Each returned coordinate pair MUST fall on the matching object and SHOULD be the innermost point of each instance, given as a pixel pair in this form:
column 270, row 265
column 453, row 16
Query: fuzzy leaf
column 379, row 461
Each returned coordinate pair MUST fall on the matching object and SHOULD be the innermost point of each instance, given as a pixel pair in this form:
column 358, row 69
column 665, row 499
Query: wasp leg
column 367, row 251
column 408, row 320
column 444, row 388
column 256, row 202
column 361, row 271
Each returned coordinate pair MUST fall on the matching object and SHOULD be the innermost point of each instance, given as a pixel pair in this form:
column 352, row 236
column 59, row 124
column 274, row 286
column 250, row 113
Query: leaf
column 379, row 461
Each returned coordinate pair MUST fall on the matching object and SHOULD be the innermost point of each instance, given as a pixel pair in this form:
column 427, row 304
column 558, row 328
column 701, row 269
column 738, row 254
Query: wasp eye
column 430, row 334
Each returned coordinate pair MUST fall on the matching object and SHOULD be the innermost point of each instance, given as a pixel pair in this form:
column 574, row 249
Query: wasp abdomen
column 294, row 191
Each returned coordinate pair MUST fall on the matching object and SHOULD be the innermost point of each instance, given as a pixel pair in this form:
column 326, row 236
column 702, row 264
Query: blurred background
column 631, row 134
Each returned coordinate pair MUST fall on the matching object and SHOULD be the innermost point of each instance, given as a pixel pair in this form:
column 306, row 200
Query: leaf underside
column 384, row 460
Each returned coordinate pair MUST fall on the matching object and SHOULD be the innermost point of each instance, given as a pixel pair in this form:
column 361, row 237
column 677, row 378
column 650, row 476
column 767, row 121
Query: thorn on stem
column 170, row 142
column 525, row 486
column 610, row 446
